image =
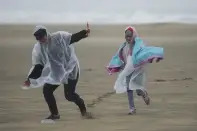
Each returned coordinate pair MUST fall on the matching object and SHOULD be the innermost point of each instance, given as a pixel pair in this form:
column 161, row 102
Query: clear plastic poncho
column 58, row 58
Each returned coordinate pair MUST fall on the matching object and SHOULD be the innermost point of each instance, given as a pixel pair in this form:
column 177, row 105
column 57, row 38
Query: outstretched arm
column 80, row 35
column 37, row 67
column 36, row 72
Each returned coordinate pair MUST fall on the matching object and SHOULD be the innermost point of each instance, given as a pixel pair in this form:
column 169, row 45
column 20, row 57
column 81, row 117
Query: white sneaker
column 132, row 112
column 25, row 87
column 47, row 121
column 50, row 119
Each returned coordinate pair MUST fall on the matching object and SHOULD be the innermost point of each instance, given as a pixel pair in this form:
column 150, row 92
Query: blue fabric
column 116, row 60
column 141, row 54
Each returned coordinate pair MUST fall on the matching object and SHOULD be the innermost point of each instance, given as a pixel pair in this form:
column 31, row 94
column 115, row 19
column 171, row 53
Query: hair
column 40, row 33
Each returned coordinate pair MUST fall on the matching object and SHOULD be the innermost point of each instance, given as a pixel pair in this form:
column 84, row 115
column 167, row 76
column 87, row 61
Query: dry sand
column 171, row 83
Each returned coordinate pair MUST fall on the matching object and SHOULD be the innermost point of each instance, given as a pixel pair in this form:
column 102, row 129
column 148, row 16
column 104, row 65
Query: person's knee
column 47, row 91
column 130, row 91
column 71, row 97
column 139, row 92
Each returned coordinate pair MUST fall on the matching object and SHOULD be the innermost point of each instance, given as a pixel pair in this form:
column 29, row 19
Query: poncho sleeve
column 36, row 59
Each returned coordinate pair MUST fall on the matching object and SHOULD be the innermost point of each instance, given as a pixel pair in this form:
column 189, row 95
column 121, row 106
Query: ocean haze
column 94, row 11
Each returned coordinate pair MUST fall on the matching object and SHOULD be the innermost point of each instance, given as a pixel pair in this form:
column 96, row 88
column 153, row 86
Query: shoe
column 87, row 115
column 132, row 112
column 50, row 119
column 146, row 98
column 53, row 117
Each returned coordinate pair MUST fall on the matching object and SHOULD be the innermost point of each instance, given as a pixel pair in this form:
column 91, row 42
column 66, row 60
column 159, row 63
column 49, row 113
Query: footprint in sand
column 100, row 99
column 167, row 80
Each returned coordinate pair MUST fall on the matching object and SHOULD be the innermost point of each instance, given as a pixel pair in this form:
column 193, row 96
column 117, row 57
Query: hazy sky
column 31, row 11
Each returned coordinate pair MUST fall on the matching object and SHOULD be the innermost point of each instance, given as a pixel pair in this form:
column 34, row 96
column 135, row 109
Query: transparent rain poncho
column 58, row 58
column 130, row 78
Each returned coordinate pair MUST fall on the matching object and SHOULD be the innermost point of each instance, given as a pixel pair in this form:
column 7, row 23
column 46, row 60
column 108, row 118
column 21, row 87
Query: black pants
column 70, row 95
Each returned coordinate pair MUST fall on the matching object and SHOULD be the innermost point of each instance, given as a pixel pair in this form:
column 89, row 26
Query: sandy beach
column 171, row 83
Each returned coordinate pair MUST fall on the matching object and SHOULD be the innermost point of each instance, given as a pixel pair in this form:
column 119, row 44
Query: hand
column 158, row 59
column 88, row 29
column 26, row 83
column 151, row 60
